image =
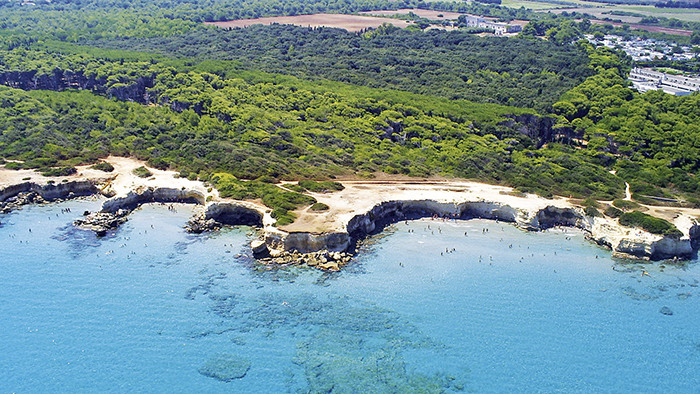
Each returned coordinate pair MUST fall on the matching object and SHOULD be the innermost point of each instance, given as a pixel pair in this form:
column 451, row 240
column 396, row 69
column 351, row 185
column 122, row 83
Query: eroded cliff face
column 150, row 194
column 277, row 240
column 14, row 196
column 622, row 241
column 649, row 248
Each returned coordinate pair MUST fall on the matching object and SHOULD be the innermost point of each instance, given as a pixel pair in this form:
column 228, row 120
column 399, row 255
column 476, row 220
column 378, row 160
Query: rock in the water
column 199, row 224
column 666, row 311
column 259, row 248
column 225, row 367
column 101, row 222
column 332, row 266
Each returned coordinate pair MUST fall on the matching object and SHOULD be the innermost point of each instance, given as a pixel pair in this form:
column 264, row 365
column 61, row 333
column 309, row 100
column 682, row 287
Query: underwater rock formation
column 225, row 367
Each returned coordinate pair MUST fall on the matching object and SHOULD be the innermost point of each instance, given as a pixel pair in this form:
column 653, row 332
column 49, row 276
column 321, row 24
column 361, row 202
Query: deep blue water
column 153, row 309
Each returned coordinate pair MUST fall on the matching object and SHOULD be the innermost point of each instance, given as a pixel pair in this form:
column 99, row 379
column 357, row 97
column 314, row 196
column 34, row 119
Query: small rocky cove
column 331, row 251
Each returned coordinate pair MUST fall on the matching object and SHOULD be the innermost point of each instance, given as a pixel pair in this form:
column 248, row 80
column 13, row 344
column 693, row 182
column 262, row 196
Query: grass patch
column 103, row 166
column 59, row 171
column 626, row 205
column 321, row 187
column 13, row 165
column 319, row 206
column 649, row 223
column 142, row 172
column 613, row 212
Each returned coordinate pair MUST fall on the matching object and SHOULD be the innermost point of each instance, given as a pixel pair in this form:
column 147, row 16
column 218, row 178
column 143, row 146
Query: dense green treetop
column 454, row 64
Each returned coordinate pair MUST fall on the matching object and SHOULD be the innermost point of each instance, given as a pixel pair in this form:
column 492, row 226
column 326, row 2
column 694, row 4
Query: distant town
column 645, row 79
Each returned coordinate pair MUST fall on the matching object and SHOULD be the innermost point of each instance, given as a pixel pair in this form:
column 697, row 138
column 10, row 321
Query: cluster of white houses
column 498, row 27
column 645, row 79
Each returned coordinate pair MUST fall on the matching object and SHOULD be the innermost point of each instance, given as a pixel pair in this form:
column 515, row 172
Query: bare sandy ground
column 430, row 14
column 352, row 23
column 120, row 181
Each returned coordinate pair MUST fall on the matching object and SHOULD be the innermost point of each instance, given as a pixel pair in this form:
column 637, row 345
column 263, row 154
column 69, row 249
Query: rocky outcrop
column 102, row 222
column 151, row 194
column 554, row 216
column 12, row 197
column 116, row 210
column 324, row 260
column 230, row 213
column 304, row 242
column 664, row 248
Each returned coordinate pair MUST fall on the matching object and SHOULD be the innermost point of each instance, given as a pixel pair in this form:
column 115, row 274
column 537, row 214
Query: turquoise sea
column 428, row 306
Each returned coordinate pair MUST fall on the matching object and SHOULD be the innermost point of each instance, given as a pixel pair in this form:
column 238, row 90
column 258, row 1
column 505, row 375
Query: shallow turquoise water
column 152, row 309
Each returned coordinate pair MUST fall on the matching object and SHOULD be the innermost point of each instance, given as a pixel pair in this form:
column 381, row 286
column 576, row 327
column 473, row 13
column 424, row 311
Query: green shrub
column 267, row 179
column 321, row 187
column 591, row 202
column 103, row 166
column 649, row 223
column 592, row 211
column 319, row 206
column 283, row 216
column 142, row 172
column 625, row 205
column 59, row 171
column 296, row 188
column 613, row 212
column 13, row 165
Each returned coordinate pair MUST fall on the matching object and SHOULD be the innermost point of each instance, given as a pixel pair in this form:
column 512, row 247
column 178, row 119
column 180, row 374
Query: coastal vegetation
column 142, row 172
column 103, row 166
column 649, row 223
column 281, row 201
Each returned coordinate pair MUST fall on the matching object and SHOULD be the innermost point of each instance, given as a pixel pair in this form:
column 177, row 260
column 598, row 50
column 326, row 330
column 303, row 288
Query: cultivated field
column 531, row 5
column 655, row 29
column 602, row 10
column 429, row 14
column 352, row 23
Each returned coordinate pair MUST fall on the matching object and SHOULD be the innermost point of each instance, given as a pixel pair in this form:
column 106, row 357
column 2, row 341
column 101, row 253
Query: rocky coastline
column 331, row 250
column 15, row 196
column 623, row 246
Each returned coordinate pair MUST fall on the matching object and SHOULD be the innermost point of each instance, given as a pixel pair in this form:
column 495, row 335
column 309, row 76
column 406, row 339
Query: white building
column 645, row 79
column 499, row 28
